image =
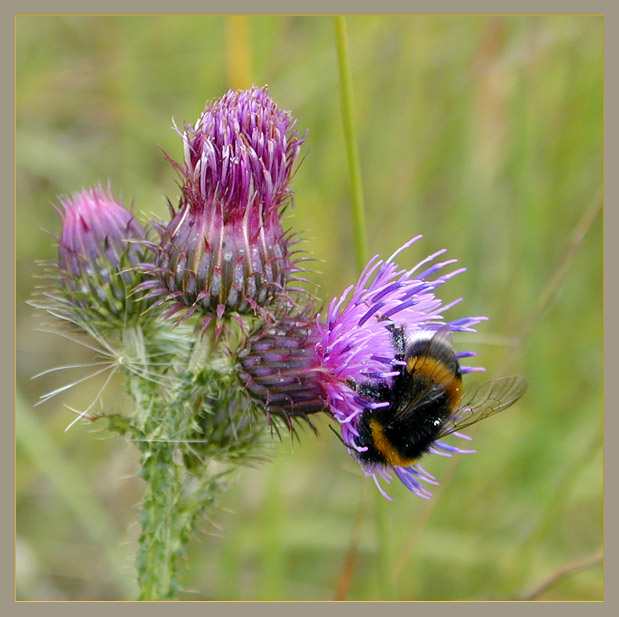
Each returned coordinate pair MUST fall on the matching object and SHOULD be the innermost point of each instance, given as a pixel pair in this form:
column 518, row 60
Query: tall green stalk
column 361, row 251
column 354, row 167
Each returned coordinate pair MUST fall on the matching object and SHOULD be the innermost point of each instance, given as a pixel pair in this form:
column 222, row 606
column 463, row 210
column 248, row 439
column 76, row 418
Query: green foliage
column 482, row 133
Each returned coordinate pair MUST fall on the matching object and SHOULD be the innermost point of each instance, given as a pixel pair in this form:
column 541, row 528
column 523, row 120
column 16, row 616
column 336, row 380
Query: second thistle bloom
column 225, row 249
column 346, row 360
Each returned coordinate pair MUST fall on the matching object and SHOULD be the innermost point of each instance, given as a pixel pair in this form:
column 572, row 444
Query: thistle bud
column 224, row 249
column 100, row 244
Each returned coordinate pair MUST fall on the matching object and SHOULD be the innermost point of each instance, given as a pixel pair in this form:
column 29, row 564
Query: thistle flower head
column 224, row 249
column 343, row 356
column 99, row 246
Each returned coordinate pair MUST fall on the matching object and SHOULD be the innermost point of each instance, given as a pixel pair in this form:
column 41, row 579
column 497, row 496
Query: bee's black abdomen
column 413, row 434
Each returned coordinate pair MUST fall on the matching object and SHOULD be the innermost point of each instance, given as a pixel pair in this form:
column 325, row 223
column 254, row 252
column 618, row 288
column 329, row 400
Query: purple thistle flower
column 351, row 347
column 356, row 346
column 224, row 249
column 100, row 244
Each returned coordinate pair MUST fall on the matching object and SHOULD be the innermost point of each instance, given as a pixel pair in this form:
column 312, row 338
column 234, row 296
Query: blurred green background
column 486, row 135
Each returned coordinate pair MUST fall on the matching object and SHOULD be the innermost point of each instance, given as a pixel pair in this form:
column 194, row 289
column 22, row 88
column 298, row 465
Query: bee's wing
column 439, row 339
column 484, row 401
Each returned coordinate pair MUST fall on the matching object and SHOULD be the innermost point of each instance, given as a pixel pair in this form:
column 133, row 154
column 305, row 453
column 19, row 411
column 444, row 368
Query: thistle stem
column 168, row 508
column 162, row 538
column 182, row 467
column 174, row 498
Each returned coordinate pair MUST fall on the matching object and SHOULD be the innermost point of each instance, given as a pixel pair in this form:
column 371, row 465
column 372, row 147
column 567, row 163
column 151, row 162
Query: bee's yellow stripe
column 437, row 372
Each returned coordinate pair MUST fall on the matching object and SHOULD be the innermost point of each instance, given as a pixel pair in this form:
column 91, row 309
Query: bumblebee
column 426, row 400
